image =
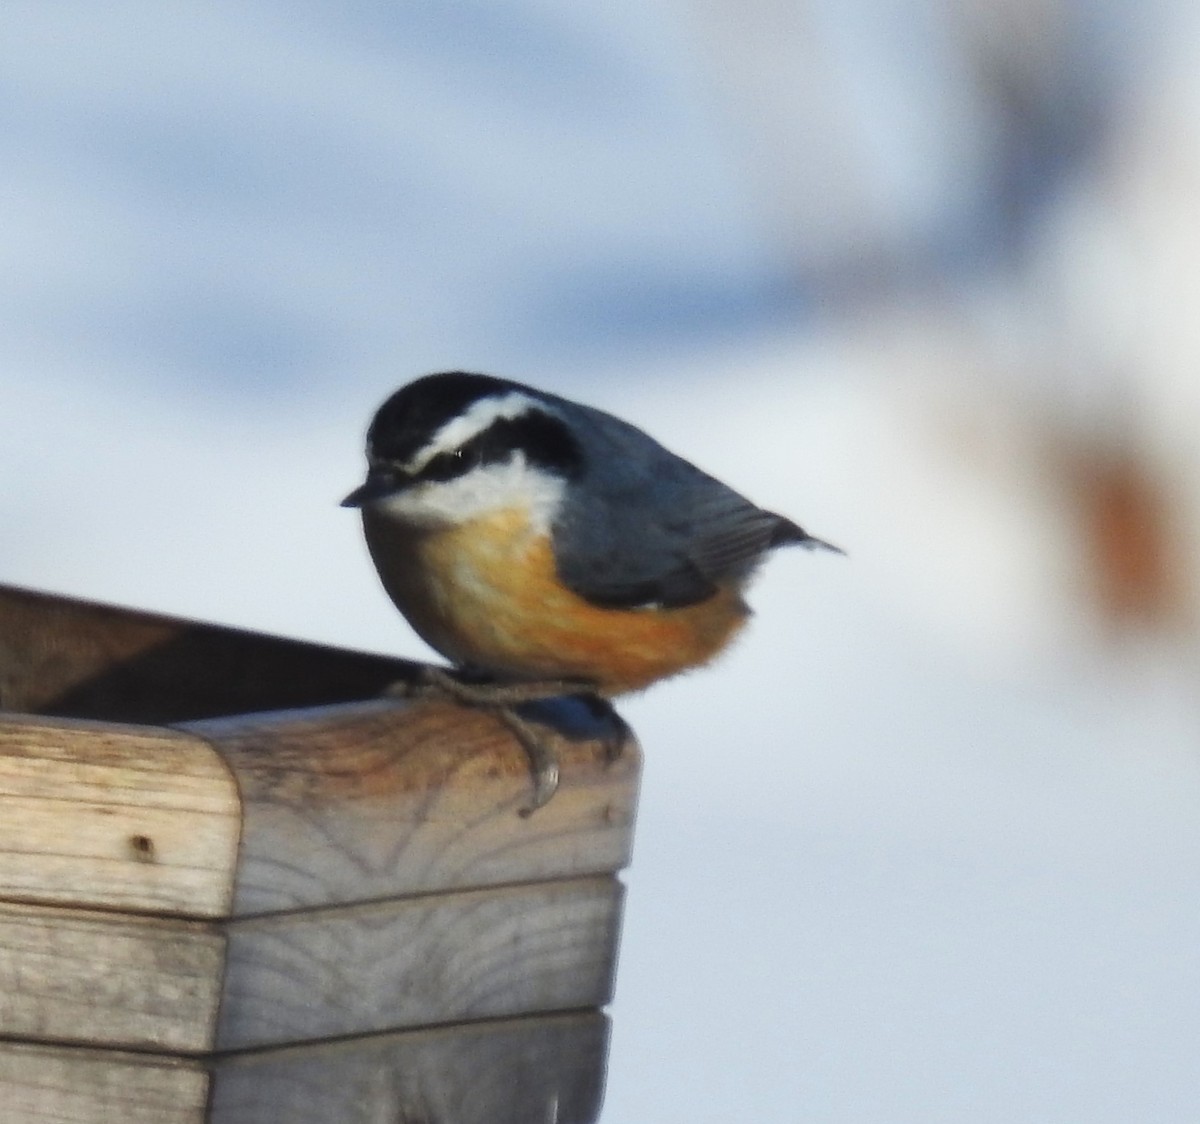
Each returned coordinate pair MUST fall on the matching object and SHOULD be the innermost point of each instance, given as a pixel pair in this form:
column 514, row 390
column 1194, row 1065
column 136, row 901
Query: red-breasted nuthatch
column 530, row 538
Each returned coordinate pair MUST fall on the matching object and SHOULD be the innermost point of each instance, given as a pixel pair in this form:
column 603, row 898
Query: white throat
column 481, row 491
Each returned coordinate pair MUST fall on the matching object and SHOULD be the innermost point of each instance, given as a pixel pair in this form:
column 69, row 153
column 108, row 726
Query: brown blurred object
column 1130, row 537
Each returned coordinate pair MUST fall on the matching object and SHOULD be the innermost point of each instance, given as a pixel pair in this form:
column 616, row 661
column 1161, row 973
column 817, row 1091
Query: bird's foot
column 503, row 699
column 543, row 761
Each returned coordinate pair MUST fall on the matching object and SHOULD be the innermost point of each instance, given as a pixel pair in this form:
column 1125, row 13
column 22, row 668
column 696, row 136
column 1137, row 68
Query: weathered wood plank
column 382, row 799
column 128, row 817
column 66, row 1085
column 67, row 657
column 412, row 892
column 52, row 645
column 547, row 1070
column 98, row 978
column 421, row 961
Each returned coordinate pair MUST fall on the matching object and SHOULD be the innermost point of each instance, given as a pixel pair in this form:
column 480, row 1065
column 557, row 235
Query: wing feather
column 642, row 526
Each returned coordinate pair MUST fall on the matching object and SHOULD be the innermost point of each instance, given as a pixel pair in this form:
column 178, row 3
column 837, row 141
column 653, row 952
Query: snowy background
column 923, row 275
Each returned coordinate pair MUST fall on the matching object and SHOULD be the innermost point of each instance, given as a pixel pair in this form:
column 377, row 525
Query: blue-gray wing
column 642, row 526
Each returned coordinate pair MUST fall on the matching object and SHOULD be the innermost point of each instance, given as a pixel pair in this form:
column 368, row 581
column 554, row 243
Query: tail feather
column 787, row 533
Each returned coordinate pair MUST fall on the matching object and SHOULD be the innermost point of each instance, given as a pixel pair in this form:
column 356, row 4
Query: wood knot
column 143, row 848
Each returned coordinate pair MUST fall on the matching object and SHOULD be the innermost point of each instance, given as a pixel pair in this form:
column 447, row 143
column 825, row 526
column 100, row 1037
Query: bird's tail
column 788, row 533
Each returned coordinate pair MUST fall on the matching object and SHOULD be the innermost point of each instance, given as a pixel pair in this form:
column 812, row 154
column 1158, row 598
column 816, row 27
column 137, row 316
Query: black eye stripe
column 544, row 441
column 446, row 466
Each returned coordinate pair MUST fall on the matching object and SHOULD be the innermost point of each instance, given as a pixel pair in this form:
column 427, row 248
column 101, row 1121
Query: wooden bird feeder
column 233, row 892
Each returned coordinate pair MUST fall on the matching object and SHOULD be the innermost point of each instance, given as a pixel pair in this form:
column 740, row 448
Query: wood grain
column 383, row 799
column 420, row 962
column 547, row 1070
column 64, row 1085
column 404, row 948
column 113, row 979
column 127, row 817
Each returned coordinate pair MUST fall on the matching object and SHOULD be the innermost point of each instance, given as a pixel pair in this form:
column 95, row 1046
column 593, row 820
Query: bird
column 545, row 547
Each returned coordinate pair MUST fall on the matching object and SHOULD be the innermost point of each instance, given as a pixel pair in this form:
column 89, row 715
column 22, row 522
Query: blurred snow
column 924, row 846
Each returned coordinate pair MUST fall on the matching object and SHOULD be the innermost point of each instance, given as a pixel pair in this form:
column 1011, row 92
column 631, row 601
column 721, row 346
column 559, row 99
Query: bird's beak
column 377, row 486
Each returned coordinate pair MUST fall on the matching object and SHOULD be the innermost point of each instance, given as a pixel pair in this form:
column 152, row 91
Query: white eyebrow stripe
column 471, row 422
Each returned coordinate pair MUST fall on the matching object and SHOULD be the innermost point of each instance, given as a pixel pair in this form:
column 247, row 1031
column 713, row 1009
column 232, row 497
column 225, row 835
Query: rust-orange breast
column 486, row 593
